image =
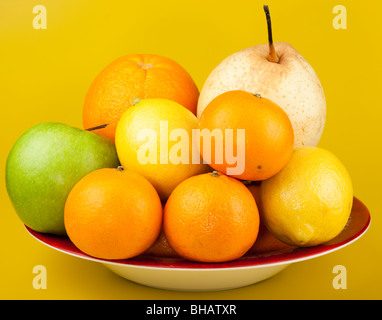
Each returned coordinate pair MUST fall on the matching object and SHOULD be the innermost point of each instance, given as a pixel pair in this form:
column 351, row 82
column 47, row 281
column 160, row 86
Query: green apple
column 44, row 165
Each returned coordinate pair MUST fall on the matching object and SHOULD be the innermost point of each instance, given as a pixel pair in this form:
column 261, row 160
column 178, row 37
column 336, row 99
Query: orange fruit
column 211, row 218
column 161, row 248
column 265, row 241
column 113, row 214
column 269, row 138
column 135, row 76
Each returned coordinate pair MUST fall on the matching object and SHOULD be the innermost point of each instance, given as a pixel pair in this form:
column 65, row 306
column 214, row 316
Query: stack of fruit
column 163, row 171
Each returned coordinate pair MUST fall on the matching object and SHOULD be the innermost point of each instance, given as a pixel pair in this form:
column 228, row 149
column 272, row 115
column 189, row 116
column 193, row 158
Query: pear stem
column 272, row 57
column 97, row 127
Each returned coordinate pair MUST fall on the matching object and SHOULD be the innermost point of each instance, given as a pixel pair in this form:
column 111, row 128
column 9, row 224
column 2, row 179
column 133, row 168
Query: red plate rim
column 357, row 225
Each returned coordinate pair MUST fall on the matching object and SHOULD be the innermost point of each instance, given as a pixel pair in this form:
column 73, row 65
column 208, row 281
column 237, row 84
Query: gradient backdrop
column 44, row 76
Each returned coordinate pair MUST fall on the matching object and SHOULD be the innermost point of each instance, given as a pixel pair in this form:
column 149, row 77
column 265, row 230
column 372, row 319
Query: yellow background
column 44, row 76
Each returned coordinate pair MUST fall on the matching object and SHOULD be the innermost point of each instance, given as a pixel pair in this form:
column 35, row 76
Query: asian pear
column 279, row 73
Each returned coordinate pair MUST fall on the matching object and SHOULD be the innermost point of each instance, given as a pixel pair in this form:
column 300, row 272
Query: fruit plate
column 177, row 274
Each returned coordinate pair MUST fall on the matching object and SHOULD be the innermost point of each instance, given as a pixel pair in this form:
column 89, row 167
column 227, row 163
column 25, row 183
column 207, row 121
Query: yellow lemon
column 155, row 139
column 309, row 201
